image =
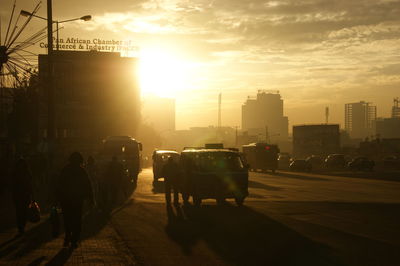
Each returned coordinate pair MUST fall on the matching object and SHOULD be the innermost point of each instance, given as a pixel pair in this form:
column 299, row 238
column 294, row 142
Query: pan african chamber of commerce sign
column 97, row 44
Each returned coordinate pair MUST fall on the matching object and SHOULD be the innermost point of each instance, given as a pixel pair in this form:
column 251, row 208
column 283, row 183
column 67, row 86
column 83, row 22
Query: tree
column 23, row 119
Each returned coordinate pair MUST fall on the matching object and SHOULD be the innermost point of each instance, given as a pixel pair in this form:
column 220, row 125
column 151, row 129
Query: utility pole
column 50, row 85
column 326, row 115
column 219, row 110
column 236, row 136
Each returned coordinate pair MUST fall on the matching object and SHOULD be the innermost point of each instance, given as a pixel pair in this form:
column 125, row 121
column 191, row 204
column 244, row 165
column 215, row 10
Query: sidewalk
column 100, row 245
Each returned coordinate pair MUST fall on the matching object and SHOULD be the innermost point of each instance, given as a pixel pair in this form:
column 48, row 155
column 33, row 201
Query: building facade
column 378, row 149
column 263, row 115
column 96, row 94
column 360, row 119
column 6, row 102
column 389, row 127
column 321, row 140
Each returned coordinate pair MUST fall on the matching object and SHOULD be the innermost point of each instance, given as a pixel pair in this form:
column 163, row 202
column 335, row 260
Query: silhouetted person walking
column 171, row 176
column 73, row 188
column 22, row 192
column 113, row 182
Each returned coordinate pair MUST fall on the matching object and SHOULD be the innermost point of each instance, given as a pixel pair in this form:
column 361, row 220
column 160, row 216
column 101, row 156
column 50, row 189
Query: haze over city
column 194, row 132
column 316, row 53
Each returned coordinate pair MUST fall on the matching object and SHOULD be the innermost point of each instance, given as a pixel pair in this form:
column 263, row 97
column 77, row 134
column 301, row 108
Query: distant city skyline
column 316, row 53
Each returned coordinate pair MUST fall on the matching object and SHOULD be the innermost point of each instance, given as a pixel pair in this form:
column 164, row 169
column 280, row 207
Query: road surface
column 288, row 219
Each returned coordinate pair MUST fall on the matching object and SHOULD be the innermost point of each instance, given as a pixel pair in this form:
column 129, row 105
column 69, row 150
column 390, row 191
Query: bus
column 261, row 156
column 128, row 152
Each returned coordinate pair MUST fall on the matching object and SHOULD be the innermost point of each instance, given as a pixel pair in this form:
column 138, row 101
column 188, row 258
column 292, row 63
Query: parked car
column 361, row 164
column 315, row 161
column 300, row 165
column 391, row 162
column 335, row 161
column 284, row 161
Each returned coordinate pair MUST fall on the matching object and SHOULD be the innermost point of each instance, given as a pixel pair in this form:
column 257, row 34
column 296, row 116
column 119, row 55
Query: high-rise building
column 96, row 94
column 263, row 115
column 360, row 119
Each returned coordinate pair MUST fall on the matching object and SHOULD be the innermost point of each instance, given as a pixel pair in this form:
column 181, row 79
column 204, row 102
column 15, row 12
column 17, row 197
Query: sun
column 161, row 73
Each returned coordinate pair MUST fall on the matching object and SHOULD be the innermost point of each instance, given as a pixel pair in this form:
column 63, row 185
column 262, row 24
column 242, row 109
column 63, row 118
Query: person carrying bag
column 22, row 195
column 34, row 212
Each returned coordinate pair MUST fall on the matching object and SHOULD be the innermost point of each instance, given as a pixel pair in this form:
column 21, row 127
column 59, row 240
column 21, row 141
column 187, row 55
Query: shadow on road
column 180, row 229
column 361, row 233
column 38, row 261
column 158, row 187
column 302, row 177
column 61, row 257
column 378, row 175
column 243, row 236
column 255, row 184
column 32, row 239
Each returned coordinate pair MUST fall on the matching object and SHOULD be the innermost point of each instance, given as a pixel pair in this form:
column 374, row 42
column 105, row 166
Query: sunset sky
column 317, row 53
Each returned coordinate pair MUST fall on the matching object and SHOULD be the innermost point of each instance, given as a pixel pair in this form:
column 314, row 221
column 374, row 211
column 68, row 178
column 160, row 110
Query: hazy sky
column 317, row 53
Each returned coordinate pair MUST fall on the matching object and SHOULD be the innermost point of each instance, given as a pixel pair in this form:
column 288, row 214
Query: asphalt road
column 288, row 219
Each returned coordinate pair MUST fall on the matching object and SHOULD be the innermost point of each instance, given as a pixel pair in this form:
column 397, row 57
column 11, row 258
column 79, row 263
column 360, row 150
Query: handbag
column 54, row 221
column 33, row 212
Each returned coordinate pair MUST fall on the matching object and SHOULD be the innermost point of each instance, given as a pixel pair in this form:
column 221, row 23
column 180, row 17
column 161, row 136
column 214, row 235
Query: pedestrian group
column 77, row 182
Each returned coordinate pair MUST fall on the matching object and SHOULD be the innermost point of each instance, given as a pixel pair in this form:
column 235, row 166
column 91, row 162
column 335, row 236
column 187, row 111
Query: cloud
column 314, row 51
column 305, row 48
column 388, row 70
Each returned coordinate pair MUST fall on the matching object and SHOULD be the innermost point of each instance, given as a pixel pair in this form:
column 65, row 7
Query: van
column 214, row 174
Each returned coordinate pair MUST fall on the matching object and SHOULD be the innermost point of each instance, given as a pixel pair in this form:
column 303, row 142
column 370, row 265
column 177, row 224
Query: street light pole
column 50, row 81
column 84, row 18
column 51, row 130
column 57, row 36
